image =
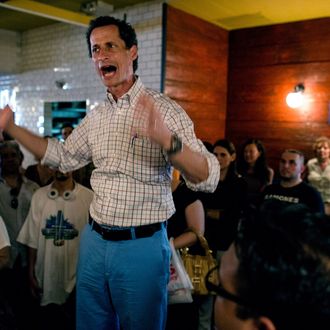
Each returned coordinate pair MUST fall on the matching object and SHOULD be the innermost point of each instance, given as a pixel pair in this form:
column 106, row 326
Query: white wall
column 10, row 52
column 64, row 46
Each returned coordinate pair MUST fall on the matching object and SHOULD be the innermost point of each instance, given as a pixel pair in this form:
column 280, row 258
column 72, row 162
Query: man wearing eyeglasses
column 275, row 276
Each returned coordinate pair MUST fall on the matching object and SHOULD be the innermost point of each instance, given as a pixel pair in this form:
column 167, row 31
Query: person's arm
column 4, row 246
column 34, row 143
column 195, row 166
column 195, row 220
column 34, row 286
column 4, row 257
column 270, row 176
column 191, row 164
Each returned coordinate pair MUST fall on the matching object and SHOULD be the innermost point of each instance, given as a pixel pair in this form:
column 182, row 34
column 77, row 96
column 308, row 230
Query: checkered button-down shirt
column 132, row 175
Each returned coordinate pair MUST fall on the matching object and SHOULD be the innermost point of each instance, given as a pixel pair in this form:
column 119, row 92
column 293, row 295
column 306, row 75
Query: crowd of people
column 80, row 258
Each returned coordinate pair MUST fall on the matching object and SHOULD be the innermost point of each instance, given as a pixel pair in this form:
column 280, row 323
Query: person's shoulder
column 29, row 184
column 97, row 109
column 270, row 170
column 164, row 101
column 41, row 191
column 80, row 189
column 307, row 186
column 311, row 162
column 272, row 186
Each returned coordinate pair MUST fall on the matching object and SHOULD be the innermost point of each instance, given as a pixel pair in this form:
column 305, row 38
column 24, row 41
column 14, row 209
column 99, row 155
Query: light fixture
column 295, row 99
column 61, row 84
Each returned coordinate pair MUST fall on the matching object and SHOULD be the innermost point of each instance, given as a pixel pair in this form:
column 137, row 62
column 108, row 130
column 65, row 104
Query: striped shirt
column 132, row 175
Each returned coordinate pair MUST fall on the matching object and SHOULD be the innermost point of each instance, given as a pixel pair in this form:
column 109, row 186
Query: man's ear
column 264, row 323
column 303, row 168
column 134, row 52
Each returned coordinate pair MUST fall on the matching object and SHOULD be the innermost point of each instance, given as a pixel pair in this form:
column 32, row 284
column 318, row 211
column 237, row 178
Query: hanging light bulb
column 295, row 99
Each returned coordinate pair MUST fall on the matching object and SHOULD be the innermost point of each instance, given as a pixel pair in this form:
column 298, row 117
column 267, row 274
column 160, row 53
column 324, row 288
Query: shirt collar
column 132, row 94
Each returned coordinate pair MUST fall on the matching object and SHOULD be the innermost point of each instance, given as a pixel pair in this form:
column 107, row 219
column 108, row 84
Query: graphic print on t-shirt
column 59, row 228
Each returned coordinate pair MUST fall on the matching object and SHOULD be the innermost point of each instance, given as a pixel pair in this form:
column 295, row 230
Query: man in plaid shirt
column 133, row 138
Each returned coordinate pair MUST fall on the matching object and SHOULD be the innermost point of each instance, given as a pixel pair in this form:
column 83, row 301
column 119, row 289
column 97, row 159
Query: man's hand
column 6, row 119
column 149, row 122
column 35, row 290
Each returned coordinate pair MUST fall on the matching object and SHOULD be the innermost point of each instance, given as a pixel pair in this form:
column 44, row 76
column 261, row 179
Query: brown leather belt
column 127, row 233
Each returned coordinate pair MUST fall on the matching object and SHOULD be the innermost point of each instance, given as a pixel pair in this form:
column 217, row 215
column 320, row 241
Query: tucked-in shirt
column 132, row 175
column 320, row 179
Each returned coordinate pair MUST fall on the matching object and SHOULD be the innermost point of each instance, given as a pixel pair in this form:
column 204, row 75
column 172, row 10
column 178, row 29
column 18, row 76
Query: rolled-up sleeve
column 71, row 155
column 52, row 157
column 210, row 184
column 179, row 122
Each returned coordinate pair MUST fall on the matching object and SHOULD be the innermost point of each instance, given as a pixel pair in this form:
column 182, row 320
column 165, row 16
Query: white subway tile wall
column 10, row 51
column 58, row 53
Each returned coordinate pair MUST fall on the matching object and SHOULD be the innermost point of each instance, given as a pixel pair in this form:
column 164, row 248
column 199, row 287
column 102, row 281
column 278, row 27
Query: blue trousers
column 122, row 284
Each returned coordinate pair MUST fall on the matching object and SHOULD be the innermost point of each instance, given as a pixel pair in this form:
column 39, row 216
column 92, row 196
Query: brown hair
column 322, row 139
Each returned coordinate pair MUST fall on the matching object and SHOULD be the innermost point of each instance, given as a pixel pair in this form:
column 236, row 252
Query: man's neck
column 13, row 180
column 118, row 91
column 62, row 186
column 223, row 173
column 290, row 183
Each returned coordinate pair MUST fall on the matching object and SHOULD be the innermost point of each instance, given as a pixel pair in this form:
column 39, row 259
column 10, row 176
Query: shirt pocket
column 145, row 161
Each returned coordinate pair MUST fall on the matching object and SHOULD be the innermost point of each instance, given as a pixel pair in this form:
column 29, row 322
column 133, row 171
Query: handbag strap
column 203, row 242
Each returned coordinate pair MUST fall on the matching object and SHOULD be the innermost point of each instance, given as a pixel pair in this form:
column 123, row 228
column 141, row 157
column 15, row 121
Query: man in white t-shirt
column 52, row 230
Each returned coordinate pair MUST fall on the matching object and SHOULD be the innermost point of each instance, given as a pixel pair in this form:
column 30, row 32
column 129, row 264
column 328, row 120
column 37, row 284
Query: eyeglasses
column 14, row 201
column 213, row 285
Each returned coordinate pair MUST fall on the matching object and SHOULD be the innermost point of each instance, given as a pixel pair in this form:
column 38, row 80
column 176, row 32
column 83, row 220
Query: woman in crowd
column 319, row 170
column 224, row 207
column 188, row 218
column 254, row 169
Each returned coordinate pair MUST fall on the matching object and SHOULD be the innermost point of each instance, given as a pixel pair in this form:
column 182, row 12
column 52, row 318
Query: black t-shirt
column 182, row 197
column 230, row 199
column 303, row 193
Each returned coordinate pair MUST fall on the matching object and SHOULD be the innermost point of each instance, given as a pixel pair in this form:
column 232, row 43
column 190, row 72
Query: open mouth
column 108, row 69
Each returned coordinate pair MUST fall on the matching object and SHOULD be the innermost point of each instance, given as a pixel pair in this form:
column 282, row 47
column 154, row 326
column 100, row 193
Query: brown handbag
column 197, row 266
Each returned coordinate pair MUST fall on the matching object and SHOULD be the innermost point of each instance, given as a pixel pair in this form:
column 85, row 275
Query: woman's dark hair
column 284, row 267
column 126, row 32
column 230, row 147
column 261, row 169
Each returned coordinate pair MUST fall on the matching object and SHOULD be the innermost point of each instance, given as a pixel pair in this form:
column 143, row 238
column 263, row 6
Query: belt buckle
column 117, row 235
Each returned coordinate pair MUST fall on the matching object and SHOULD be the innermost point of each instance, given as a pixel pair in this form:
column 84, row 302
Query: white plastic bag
column 179, row 287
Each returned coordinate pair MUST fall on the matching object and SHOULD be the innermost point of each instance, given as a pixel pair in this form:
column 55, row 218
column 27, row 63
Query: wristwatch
column 176, row 145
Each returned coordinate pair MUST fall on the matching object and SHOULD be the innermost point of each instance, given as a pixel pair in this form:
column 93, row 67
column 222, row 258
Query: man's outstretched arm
column 34, row 143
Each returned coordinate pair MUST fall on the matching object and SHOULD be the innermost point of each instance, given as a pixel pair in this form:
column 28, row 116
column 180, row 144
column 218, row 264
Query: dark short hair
column 126, row 32
column 208, row 145
column 284, row 267
column 11, row 144
column 296, row 152
column 67, row 124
